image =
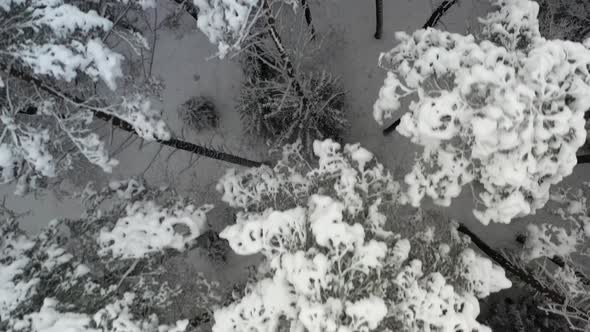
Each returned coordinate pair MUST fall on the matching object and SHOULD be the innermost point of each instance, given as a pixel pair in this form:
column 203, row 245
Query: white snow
column 225, row 22
column 114, row 317
column 105, row 63
column 267, row 233
column 64, row 19
column 325, row 217
column 369, row 312
column 483, row 276
column 148, row 228
column 429, row 301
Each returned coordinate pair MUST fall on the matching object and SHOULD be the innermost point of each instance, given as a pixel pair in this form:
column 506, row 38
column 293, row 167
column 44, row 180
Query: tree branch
column 379, row 19
column 431, row 22
column 515, row 270
column 559, row 262
column 276, row 38
column 308, row 19
column 126, row 126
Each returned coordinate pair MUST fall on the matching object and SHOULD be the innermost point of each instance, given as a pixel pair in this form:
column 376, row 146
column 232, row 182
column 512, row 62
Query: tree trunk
column 379, row 19
column 391, row 128
column 438, row 13
column 308, row 20
column 124, row 125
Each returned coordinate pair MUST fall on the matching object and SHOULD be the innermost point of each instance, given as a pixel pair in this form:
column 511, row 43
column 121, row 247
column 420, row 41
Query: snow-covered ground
column 345, row 29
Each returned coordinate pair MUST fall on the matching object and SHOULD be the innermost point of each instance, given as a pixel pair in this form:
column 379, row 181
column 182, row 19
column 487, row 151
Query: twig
column 154, row 41
column 129, row 270
column 438, row 13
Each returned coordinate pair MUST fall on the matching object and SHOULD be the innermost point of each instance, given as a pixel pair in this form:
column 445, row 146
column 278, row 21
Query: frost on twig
column 229, row 23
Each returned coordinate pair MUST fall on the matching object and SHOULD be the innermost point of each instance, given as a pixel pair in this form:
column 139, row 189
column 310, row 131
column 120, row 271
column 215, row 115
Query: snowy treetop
column 330, row 264
column 505, row 112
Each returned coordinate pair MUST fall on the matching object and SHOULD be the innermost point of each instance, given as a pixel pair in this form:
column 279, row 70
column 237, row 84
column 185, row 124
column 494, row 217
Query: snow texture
column 148, row 228
column 302, row 276
column 225, row 22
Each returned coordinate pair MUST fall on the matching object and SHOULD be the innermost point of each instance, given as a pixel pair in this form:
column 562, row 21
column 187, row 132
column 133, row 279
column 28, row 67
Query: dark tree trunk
column 438, row 13
column 391, row 128
column 276, row 38
column 584, row 159
column 379, row 19
column 559, row 262
column 124, row 125
column 308, row 19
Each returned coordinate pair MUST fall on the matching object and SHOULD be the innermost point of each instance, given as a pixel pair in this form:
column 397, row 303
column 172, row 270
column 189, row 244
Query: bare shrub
column 199, row 113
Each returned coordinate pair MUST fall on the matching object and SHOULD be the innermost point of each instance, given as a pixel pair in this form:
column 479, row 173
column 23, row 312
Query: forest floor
column 183, row 60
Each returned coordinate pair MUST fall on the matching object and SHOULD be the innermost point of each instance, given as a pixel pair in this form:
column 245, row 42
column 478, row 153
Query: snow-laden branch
column 130, row 127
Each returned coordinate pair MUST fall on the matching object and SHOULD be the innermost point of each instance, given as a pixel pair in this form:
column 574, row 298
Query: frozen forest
column 294, row 165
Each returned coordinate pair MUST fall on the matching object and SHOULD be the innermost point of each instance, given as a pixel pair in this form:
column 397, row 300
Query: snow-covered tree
column 334, row 261
column 57, row 73
column 503, row 112
column 111, row 270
